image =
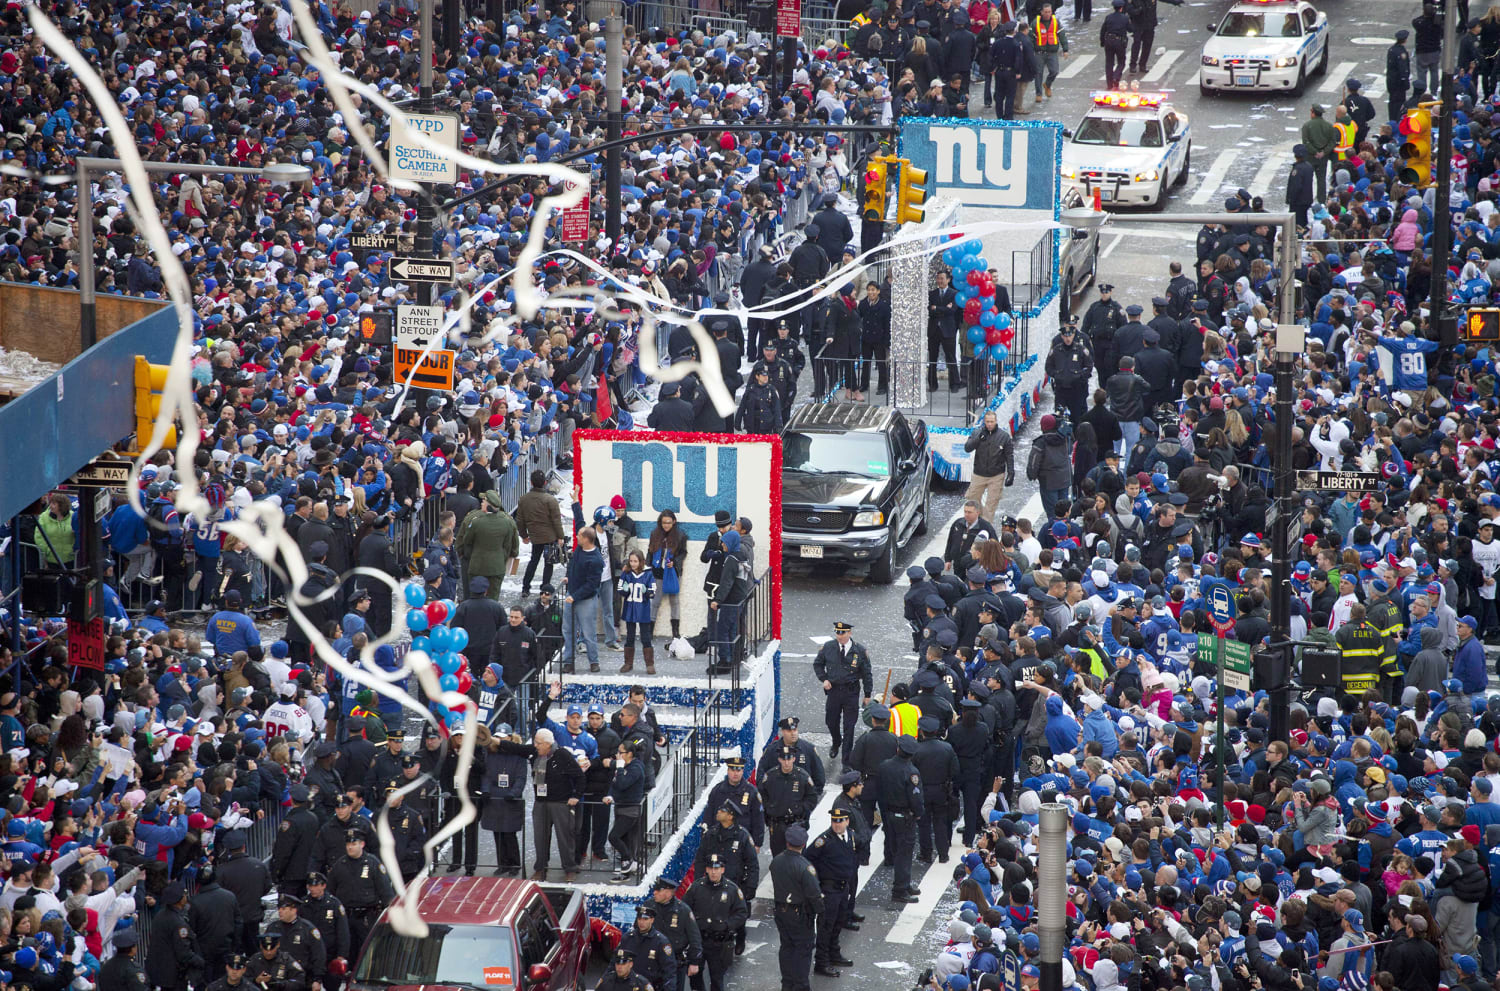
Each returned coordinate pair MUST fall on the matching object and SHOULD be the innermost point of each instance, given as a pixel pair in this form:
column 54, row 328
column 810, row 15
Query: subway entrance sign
column 432, row 370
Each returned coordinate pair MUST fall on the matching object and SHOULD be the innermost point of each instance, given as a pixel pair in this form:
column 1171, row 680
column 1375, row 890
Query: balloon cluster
column 443, row 644
column 989, row 328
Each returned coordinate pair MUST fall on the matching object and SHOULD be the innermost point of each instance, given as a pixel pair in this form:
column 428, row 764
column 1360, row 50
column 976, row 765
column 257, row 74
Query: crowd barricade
column 1031, row 275
column 982, row 376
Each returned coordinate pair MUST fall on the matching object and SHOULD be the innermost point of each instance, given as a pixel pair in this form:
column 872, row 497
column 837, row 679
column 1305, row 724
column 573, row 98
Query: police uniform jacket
column 872, row 749
column 382, row 769
column 898, row 788
column 280, row 973
column 752, row 813
column 1069, row 366
column 635, row 982
column 836, row 859
column 332, row 923
column 216, row 919
column 172, row 955
column 675, row 921
column 329, row 845
column 654, row 959
column 292, row 854
column 302, row 941
column 807, row 760
column 736, row 851
column 782, row 379
column 329, row 786
column 788, row 797
column 795, row 882
column 223, row 984
column 720, row 909
column 121, row 973
column 408, row 833
column 936, row 762
column 859, row 828
column 844, row 669
column 360, row 883
column 247, row 878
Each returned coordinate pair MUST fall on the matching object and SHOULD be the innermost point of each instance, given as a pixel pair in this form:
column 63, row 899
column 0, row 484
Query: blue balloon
column 962, row 297
column 416, row 620
column 416, row 596
column 980, row 264
column 450, row 662
column 975, row 335
column 1002, row 321
column 459, row 636
column 999, row 352
column 440, row 709
column 973, row 247
column 441, row 638
column 987, row 318
column 448, row 682
column 451, row 607
column 422, row 644
column 952, row 256
column 455, row 721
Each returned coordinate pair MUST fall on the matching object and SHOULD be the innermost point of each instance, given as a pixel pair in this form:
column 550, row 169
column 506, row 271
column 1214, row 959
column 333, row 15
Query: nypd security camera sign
column 411, row 162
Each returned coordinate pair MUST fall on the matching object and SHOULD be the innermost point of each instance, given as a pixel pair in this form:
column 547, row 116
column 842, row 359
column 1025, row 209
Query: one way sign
column 435, row 270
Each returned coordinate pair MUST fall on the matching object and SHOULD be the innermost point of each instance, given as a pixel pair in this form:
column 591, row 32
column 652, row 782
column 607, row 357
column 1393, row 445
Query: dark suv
column 854, row 485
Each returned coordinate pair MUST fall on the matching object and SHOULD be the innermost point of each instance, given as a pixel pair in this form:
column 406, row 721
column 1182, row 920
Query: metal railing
column 1031, row 273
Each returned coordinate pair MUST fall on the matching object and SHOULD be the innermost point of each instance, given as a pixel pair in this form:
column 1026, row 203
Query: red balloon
column 972, row 277
column 461, row 706
column 1006, row 336
column 972, row 311
column 465, row 680
column 986, row 289
column 436, row 613
column 992, row 335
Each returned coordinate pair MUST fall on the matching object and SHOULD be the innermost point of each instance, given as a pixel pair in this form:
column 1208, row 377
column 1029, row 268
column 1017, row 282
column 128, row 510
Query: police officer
column 848, row 802
column 1361, row 110
column 675, row 921
column 249, row 880
column 837, row 862
column 408, row 831
column 360, row 882
column 843, row 666
column 725, row 839
column 327, row 914
column 1397, row 75
column 1070, row 363
column 172, row 959
column 1114, row 38
column 807, row 754
column 971, row 739
column 720, row 908
column 734, row 786
column 295, row 839
column 899, row 794
column 779, row 373
column 1100, row 321
column 329, row 845
column 300, row 939
column 760, row 405
column 325, row 779
column 387, row 763
column 274, row 970
column 654, row 959
column 622, row 976
column 938, row 766
column 789, row 797
column 216, row 920
column 870, row 751
column 799, row 901
column 234, row 974
column 122, row 972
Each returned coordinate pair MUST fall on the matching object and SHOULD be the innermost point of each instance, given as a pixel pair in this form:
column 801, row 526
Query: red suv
column 483, row 933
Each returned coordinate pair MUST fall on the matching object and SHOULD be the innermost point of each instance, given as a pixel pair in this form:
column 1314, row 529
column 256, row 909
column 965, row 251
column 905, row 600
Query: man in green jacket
column 488, row 541
column 1320, row 138
column 57, row 524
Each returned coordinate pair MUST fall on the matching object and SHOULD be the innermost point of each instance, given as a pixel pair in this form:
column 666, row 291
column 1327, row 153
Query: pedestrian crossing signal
column 150, row 382
column 911, row 194
column 1416, row 147
column 876, row 177
column 1482, row 325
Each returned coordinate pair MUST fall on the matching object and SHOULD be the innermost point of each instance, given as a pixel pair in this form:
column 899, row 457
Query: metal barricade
column 1031, row 273
column 966, row 403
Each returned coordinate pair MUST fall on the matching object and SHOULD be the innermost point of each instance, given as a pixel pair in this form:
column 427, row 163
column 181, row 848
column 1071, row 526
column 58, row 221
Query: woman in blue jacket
column 637, row 586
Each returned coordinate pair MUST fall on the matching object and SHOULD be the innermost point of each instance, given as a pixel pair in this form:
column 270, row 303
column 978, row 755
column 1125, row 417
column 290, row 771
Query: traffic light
column 911, row 194
column 374, row 327
column 1482, row 324
column 1416, row 146
column 876, row 176
column 150, row 382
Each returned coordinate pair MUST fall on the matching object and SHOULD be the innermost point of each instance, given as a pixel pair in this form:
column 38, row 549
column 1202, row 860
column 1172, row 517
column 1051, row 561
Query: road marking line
column 1075, row 66
column 817, row 823
column 1114, row 243
column 1268, row 169
column 1213, row 178
column 916, row 915
column 1334, row 78
column 1163, row 66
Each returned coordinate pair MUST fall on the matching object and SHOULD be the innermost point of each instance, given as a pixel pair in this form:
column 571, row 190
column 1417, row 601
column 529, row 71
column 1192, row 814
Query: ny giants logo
column 998, row 177
column 696, row 500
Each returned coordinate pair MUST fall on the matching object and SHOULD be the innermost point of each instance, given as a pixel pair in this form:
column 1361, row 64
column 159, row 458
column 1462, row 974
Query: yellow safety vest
column 1345, row 147
column 860, row 20
column 1048, row 37
column 904, row 718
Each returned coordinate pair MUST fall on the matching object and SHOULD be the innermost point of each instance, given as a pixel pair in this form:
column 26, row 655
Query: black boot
column 676, row 628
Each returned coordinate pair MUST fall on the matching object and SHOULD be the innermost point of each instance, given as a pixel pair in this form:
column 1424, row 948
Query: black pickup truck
column 854, row 485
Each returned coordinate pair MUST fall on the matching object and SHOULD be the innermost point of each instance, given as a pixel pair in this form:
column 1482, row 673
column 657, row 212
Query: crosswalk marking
column 1213, row 178
column 929, row 892
column 1162, row 67
column 1333, row 79
column 1268, row 169
column 1075, row 66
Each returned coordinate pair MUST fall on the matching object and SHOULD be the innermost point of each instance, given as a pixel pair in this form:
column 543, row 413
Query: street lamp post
column 278, row 173
column 1291, row 338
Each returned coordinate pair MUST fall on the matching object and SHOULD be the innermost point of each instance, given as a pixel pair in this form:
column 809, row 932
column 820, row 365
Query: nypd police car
column 1129, row 149
column 1265, row 45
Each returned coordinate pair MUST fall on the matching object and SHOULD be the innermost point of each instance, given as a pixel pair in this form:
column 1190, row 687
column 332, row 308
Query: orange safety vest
column 1048, row 37
column 1347, row 132
column 904, row 718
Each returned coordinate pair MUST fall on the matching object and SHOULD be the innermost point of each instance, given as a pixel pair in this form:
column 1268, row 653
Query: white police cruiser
column 1265, row 45
column 1129, row 149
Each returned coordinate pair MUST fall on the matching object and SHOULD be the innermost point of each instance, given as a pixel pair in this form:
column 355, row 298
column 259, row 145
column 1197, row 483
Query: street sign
column 1220, row 604
column 1234, row 662
column 438, row 271
column 101, row 503
column 418, row 326
column 86, row 643
column 788, row 18
column 574, row 224
column 434, row 370
column 1010, row 970
column 102, row 474
column 1341, row 481
column 412, row 163
column 383, row 242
